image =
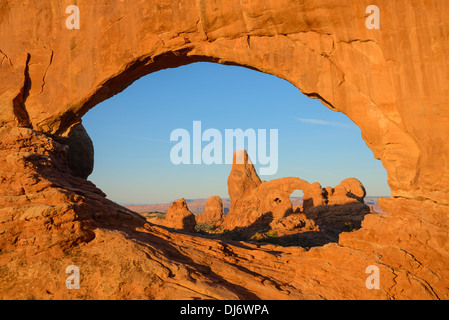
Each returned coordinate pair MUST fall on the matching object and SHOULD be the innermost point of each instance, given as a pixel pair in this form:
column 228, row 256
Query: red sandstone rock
column 354, row 189
column 268, row 204
column 254, row 202
column 179, row 217
column 81, row 151
column 54, row 76
column 243, row 177
column 213, row 211
column 50, row 219
column 313, row 196
column 391, row 82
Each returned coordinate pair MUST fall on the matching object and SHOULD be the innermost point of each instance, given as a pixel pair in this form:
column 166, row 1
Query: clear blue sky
column 131, row 134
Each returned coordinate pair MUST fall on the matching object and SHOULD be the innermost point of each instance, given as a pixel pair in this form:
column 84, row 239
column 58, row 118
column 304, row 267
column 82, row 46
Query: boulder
column 81, row 151
column 348, row 191
column 179, row 216
column 213, row 211
column 314, row 196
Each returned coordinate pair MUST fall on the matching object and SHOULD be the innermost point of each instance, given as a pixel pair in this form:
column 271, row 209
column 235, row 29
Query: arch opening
column 262, row 101
column 296, row 199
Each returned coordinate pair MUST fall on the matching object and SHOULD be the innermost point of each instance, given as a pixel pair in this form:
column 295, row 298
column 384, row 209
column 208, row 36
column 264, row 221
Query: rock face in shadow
column 338, row 206
column 391, row 82
column 213, row 211
column 81, row 151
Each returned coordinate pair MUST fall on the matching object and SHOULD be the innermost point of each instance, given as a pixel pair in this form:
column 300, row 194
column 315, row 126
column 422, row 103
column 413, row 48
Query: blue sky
column 131, row 134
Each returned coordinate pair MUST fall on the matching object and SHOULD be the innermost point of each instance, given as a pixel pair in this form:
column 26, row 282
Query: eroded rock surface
column 51, row 219
column 391, row 82
column 267, row 206
column 55, row 75
column 256, row 202
column 213, row 211
column 243, row 177
column 179, row 216
column 81, row 151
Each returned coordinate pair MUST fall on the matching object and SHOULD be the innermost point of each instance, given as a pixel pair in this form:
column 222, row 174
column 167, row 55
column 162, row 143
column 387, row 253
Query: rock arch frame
column 391, row 82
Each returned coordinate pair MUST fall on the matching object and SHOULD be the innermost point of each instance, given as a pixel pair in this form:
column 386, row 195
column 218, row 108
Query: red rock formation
column 391, row 82
column 80, row 151
column 51, row 219
column 179, row 216
column 336, row 208
column 255, row 202
column 243, row 177
column 50, row 80
column 354, row 189
column 349, row 191
column 213, row 211
column 268, row 204
column 313, row 196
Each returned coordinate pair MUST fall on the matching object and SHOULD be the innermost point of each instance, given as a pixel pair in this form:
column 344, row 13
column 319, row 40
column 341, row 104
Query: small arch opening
column 296, row 198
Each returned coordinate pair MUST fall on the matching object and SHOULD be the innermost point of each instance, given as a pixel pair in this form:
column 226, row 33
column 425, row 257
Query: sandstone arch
column 323, row 49
column 391, row 82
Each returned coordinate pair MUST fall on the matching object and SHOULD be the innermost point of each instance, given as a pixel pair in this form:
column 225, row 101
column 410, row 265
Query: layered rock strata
column 391, row 82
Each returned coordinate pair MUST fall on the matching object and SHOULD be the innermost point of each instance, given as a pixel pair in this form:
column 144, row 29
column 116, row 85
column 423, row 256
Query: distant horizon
column 195, row 199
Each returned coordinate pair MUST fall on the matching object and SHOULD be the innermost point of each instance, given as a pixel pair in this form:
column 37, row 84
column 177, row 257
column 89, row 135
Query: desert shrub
column 206, row 227
column 271, row 236
column 256, row 236
column 154, row 214
column 349, row 227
